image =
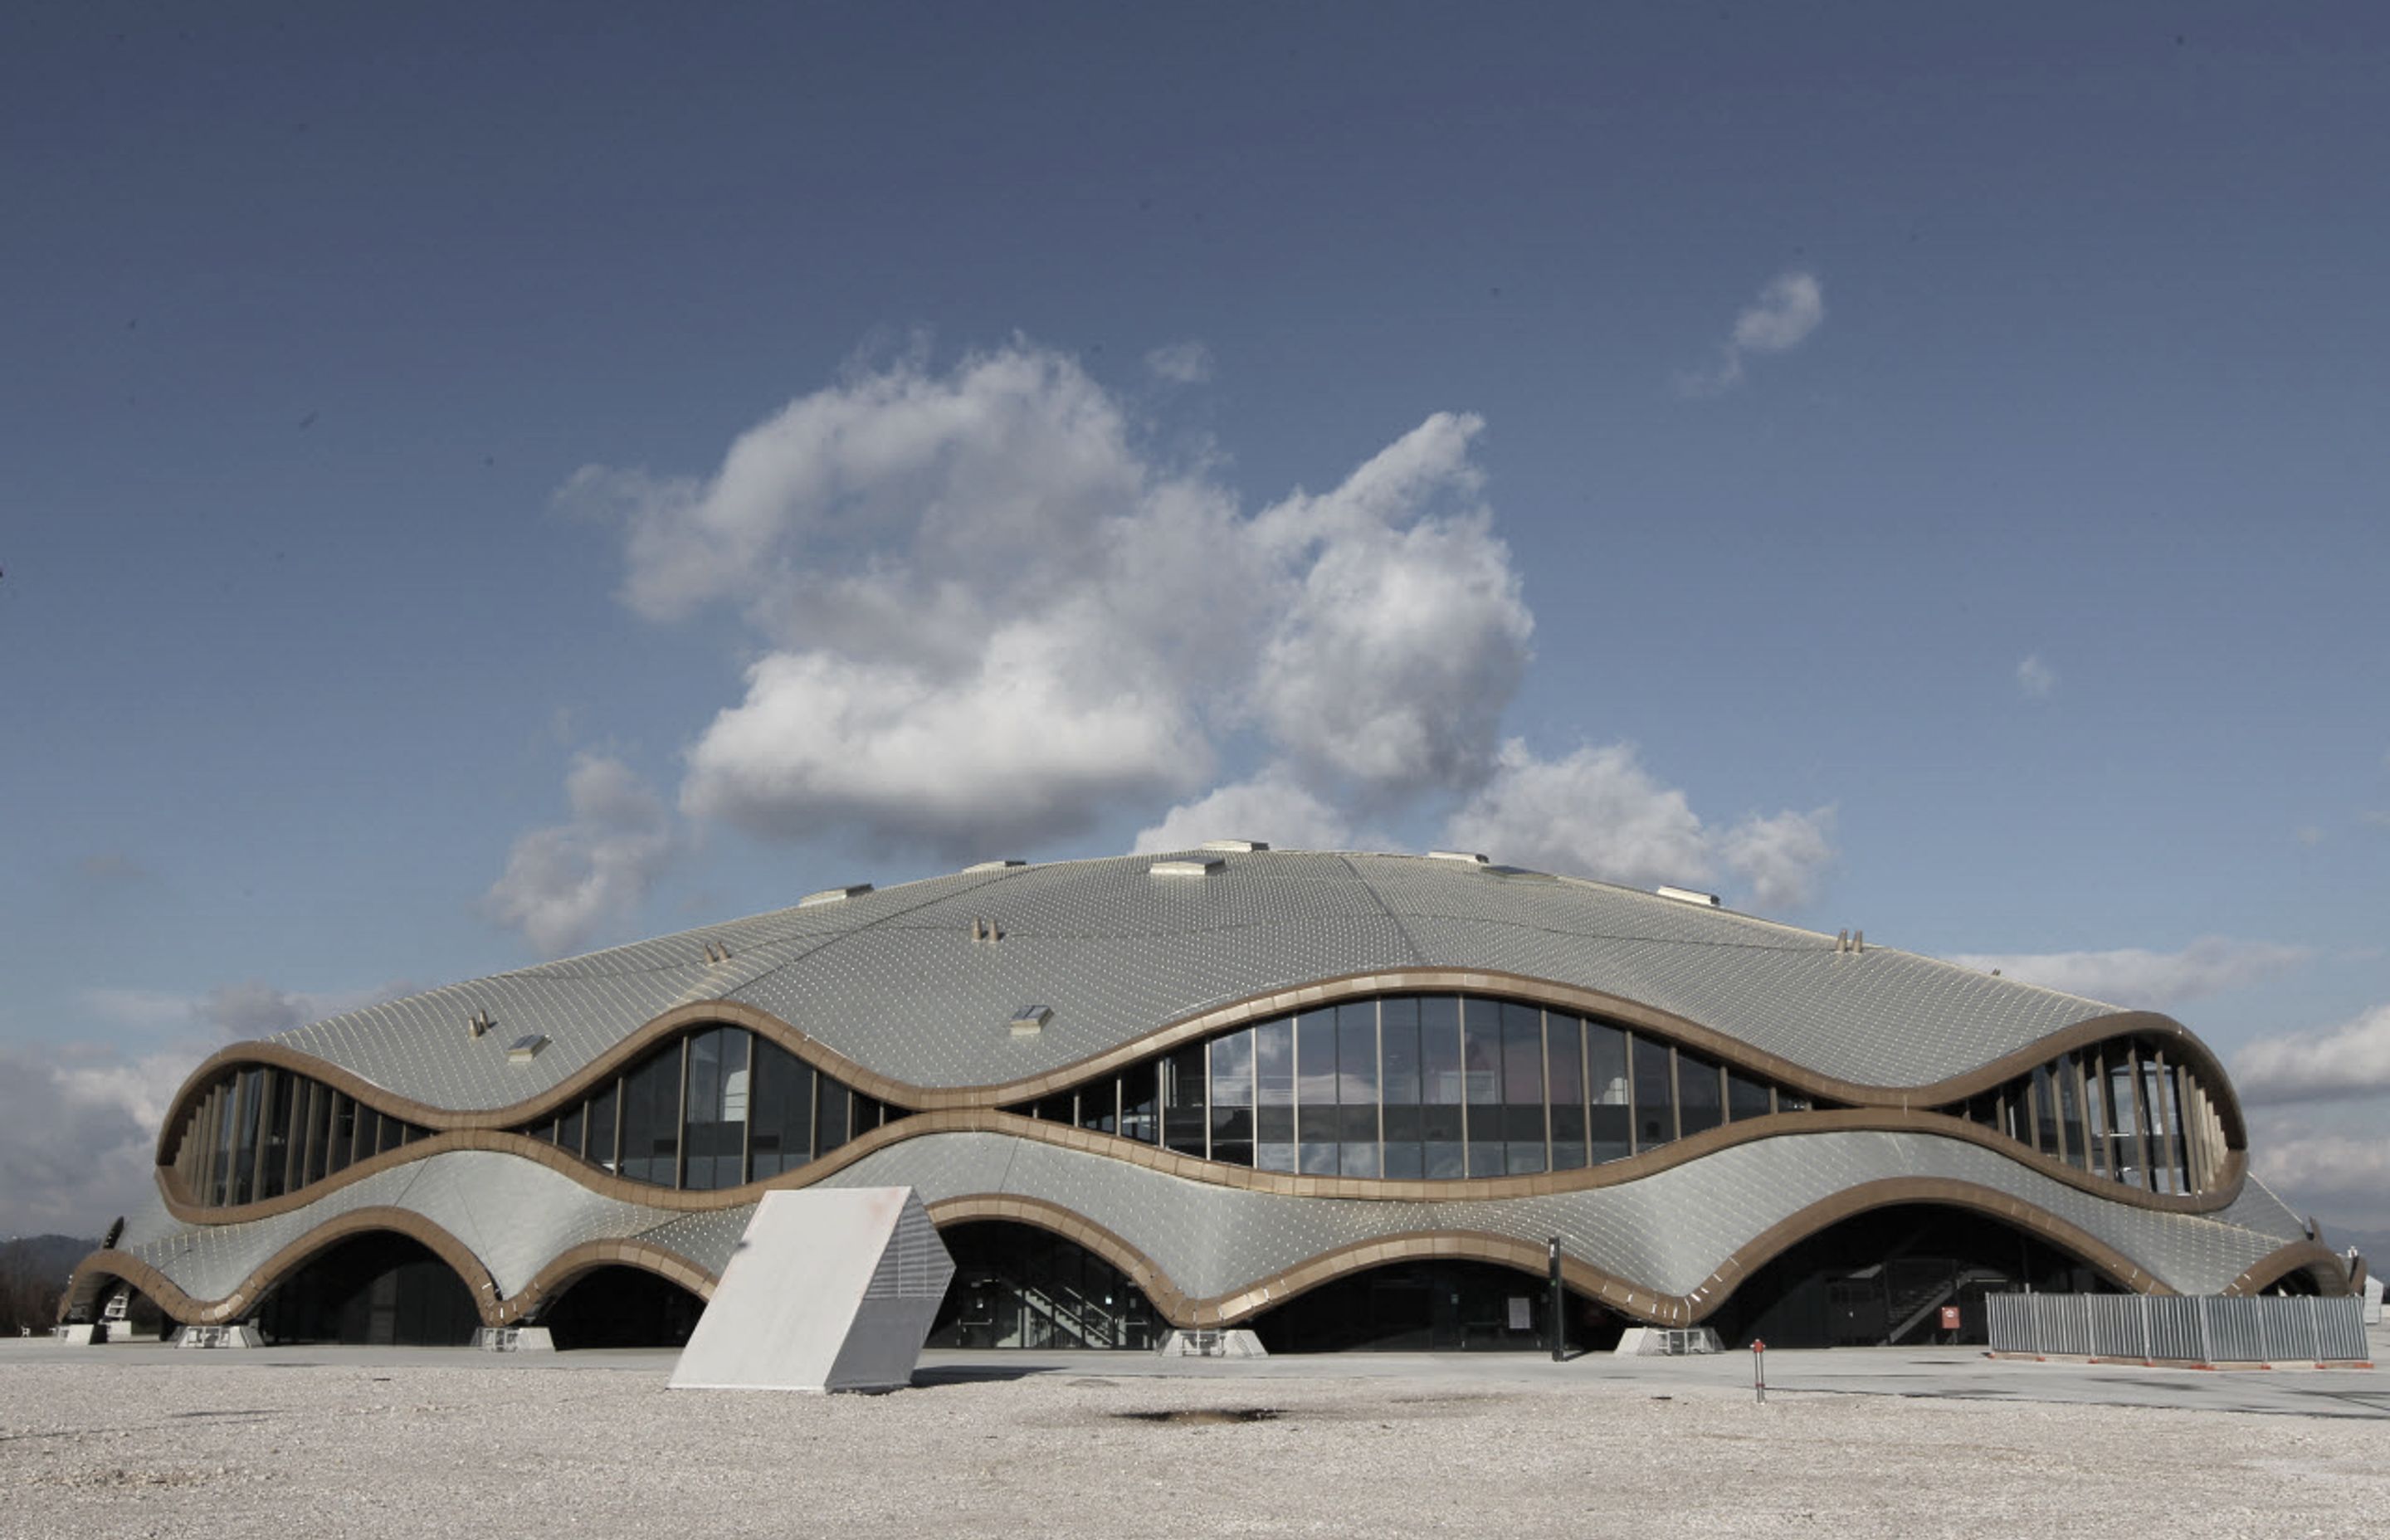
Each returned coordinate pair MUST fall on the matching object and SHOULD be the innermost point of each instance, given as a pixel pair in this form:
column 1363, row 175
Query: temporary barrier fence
column 2196, row 1329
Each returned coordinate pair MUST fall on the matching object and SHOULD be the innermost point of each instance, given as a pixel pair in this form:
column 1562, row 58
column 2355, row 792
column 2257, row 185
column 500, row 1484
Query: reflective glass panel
column 1405, row 1123
column 1700, row 1095
column 1315, row 1073
column 1183, row 1079
column 1441, row 1084
column 1274, row 1095
column 1357, row 1088
column 1480, row 1061
column 1564, row 1072
column 1656, row 1099
column 1745, row 1097
column 1232, row 1098
column 1522, row 1088
column 1138, row 1091
column 1610, row 1132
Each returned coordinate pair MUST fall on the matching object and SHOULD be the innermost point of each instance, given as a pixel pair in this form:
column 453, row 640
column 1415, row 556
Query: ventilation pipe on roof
column 1470, row 857
column 1006, row 865
column 718, row 952
column 478, row 1023
column 1238, row 847
column 1853, row 941
column 1688, row 895
column 985, row 930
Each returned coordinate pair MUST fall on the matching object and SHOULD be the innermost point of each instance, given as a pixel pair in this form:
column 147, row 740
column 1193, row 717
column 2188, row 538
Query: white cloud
column 2340, row 1063
column 1599, row 813
column 2374, row 818
column 1788, row 310
column 1781, row 858
column 2339, row 1176
column 1404, row 640
column 1271, row 806
column 562, row 884
column 141, row 1010
column 78, row 1135
column 2134, row 976
column 2036, row 678
column 1181, row 362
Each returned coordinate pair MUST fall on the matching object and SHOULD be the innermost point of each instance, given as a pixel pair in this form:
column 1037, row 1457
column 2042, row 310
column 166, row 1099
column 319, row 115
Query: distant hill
column 44, row 1258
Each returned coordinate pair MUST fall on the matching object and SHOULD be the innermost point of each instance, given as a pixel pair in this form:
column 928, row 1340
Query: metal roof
column 893, row 980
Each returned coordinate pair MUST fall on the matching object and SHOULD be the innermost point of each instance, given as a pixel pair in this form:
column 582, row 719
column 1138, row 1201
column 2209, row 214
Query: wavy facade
column 1342, row 1097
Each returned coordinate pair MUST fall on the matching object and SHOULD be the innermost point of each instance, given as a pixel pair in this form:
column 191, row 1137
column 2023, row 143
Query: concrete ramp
column 830, row 1289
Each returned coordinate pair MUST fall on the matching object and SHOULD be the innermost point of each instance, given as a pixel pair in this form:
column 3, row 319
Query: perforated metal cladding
column 915, row 1265
column 894, row 981
column 1666, row 1232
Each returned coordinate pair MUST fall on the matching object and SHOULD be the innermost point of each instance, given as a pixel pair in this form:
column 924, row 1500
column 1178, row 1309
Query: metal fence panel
column 2065, row 1321
column 2011, row 1321
column 2174, row 1328
column 2115, row 1326
column 2340, row 1328
column 2236, row 1331
column 2287, row 1329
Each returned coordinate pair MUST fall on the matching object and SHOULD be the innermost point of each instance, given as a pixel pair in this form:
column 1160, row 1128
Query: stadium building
column 1346, row 1100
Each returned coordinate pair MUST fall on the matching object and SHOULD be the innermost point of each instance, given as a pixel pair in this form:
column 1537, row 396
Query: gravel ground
column 227, row 1449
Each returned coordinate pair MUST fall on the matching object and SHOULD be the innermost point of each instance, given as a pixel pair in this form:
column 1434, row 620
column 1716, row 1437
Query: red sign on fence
column 1949, row 1317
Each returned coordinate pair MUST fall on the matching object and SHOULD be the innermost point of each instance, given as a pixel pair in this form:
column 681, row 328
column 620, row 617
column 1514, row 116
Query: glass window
column 1100, row 1105
column 780, row 1111
column 1138, row 1087
column 320, row 1124
column 1610, row 1131
column 832, row 1121
column 716, row 1109
column 1274, row 1095
column 2045, row 1111
column 1481, row 1060
column 568, row 1128
column 1655, row 1102
column 343, row 1136
column 1441, row 1085
column 1232, row 1098
column 1522, row 1088
column 1357, row 1088
column 1700, row 1095
column 273, row 1180
column 1314, row 1076
column 605, row 1108
column 651, row 1118
column 1564, row 1072
column 1183, row 1118
column 249, row 1111
column 1745, row 1097
column 1398, row 1029
column 2069, row 1078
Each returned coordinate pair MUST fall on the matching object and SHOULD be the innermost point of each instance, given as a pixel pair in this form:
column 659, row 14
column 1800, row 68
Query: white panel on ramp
column 830, row 1289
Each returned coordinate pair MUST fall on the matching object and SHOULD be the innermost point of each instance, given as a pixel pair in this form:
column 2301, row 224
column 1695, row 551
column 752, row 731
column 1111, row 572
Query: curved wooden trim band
column 2329, row 1272
column 567, row 1268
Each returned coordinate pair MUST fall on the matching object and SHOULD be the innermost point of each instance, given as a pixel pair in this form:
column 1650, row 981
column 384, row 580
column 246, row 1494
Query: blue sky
column 1327, row 420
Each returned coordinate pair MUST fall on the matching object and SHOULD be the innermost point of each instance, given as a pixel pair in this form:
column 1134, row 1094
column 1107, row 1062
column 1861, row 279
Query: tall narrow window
column 1523, row 1090
column 1232, row 1098
column 1442, row 1084
column 780, row 1109
column 1655, row 1101
column 1406, row 1121
column 1315, row 1077
column 1700, row 1095
column 1481, row 1060
column 1183, row 1081
column 1274, row 1095
column 1357, row 1089
column 1564, row 1073
column 1611, row 1127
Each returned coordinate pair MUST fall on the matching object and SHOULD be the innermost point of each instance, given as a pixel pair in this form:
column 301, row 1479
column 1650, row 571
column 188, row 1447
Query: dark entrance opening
column 1431, row 1307
column 1017, row 1286
column 622, row 1307
column 1884, row 1277
column 379, row 1288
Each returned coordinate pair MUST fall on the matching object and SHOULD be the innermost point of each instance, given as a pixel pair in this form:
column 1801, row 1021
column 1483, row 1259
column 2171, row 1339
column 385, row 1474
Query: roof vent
column 478, row 1023
column 1030, row 1020
column 1470, row 856
column 1688, row 895
column 1196, row 865
column 1238, row 847
column 718, row 952
column 523, row 1049
column 987, row 929
column 1006, row 865
column 834, row 895
column 1855, row 942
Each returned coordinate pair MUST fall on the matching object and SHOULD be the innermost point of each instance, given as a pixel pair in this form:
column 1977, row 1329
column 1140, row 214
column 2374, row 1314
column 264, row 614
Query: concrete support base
column 1212, row 1344
column 1667, row 1342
